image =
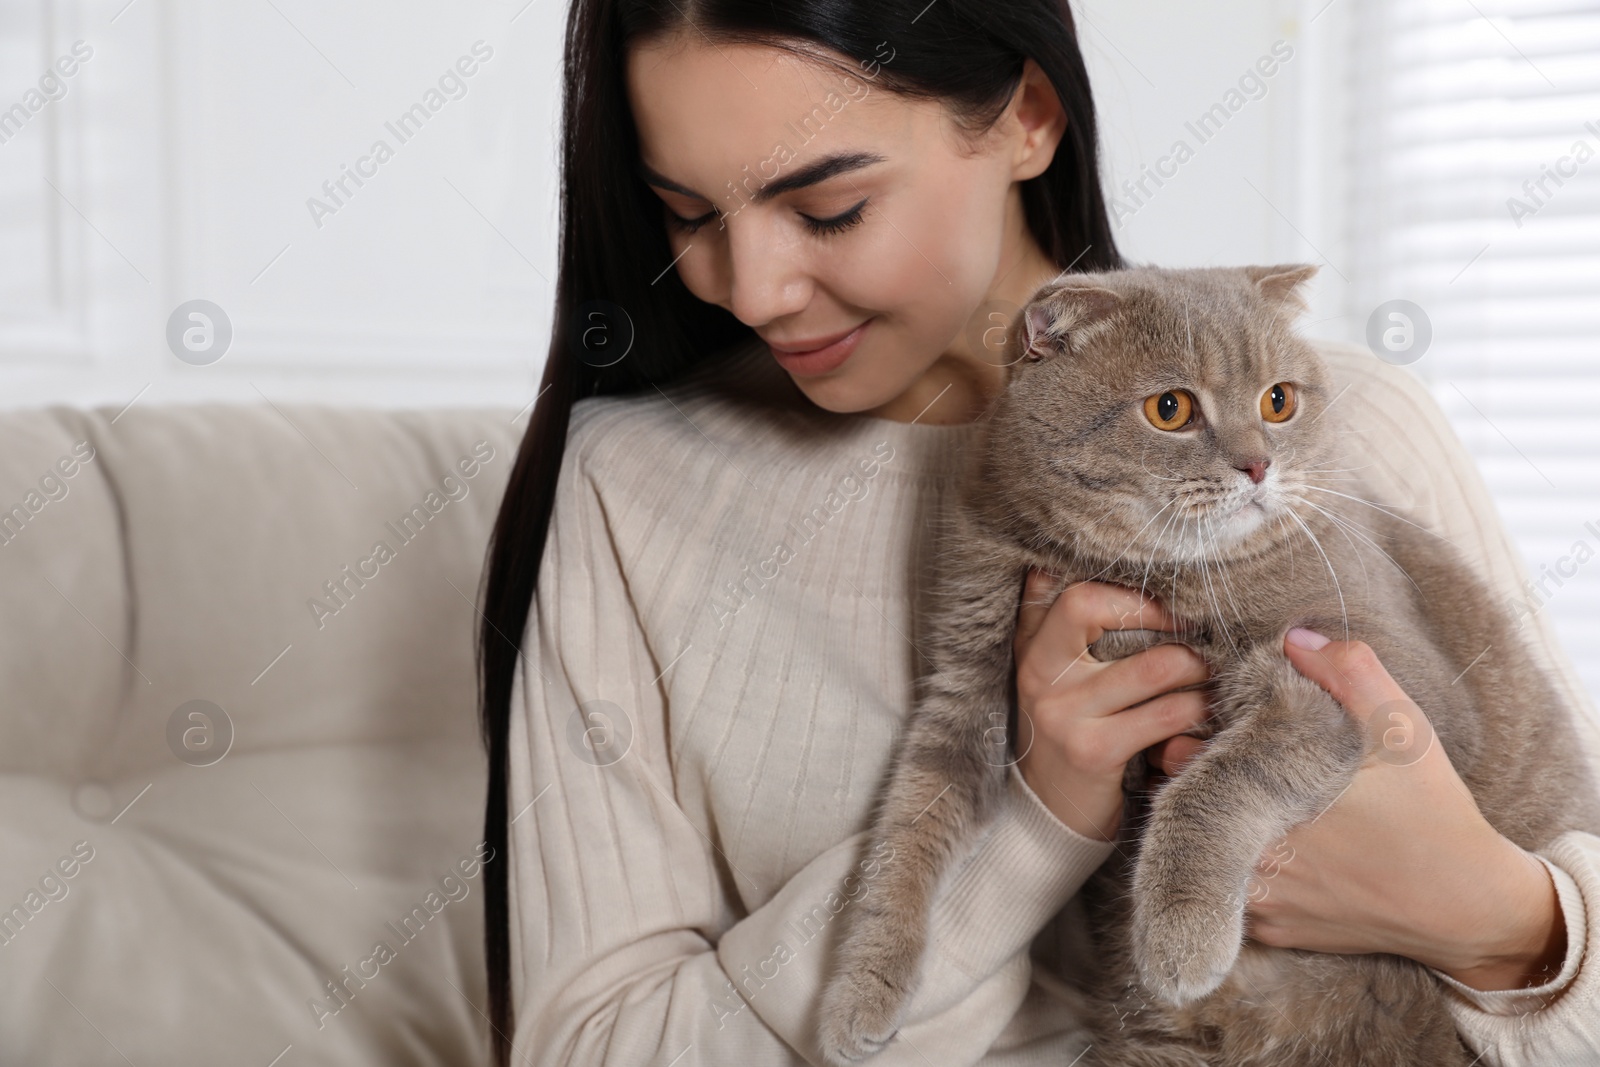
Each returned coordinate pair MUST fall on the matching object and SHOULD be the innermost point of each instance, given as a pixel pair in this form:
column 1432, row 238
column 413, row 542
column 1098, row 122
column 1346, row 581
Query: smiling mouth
column 817, row 362
column 801, row 348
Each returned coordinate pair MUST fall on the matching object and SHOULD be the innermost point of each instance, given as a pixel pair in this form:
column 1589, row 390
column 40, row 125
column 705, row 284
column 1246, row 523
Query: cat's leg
column 948, row 779
column 934, row 811
column 1285, row 753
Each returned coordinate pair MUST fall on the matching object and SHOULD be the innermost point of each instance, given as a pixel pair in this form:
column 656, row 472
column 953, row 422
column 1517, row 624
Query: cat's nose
column 1255, row 468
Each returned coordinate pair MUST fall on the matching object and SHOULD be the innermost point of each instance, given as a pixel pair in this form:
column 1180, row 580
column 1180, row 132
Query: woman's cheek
column 889, row 270
column 698, row 269
column 931, row 283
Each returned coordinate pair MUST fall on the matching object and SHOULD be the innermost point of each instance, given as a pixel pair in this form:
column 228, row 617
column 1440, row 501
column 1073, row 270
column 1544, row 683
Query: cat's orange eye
column 1171, row 410
column 1278, row 403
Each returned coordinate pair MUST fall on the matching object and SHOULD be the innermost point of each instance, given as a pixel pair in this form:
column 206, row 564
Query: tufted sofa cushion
column 241, row 785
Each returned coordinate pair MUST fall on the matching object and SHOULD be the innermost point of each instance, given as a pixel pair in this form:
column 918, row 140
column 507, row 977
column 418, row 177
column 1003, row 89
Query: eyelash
column 689, row 225
column 836, row 224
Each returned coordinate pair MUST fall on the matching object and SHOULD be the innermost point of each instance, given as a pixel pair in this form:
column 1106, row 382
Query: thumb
column 1038, row 593
column 1398, row 730
column 1348, row 670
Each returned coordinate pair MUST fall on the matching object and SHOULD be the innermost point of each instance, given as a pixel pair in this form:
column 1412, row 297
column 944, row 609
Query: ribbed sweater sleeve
column 630, row 941
column 1435, row 482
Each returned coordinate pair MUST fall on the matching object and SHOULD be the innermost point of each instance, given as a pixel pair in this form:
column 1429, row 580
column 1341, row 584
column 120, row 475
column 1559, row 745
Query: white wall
column 1263, row 186
column 179, row 164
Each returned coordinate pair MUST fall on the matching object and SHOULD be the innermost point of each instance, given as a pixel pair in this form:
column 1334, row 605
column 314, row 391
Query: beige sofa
column 239, row 763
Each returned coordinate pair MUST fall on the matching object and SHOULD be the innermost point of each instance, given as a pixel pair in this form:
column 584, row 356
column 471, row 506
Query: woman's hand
column 1079, row 720
column 1402, row 861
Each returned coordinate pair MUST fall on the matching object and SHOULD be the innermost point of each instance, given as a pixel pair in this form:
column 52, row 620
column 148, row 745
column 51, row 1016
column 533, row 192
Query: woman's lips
column 815, row 361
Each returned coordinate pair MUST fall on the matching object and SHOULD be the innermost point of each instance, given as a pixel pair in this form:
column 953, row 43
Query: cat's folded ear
column 1063, row 311
column 1281, row 284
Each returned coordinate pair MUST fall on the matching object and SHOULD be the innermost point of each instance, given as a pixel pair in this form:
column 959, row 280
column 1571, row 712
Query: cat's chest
column 1240, row 604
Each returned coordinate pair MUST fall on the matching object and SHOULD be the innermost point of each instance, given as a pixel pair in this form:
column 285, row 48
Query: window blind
column 1475, row 183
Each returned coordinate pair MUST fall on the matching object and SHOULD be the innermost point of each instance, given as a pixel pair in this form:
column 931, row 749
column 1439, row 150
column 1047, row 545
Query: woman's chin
column 839, row 395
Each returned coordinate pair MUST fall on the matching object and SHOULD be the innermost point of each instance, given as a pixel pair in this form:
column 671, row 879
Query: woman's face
column 821, row 206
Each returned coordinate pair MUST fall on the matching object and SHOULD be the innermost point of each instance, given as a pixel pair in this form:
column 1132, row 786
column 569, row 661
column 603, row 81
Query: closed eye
column 833, row 224
column 838, row 223
column 690, row 225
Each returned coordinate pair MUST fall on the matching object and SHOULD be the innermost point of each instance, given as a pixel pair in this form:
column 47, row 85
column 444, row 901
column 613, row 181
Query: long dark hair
column 967, row 53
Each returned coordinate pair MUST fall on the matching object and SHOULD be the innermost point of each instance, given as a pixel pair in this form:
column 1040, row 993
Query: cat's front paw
column 864, row 1000
column 861, row 1010
column 1184, row 945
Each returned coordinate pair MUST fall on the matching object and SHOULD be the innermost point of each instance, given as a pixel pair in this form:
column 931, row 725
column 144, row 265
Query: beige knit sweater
column 721, row 655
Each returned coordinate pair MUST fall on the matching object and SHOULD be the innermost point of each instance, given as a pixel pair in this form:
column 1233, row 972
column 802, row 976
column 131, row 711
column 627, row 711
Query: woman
column 787, row 231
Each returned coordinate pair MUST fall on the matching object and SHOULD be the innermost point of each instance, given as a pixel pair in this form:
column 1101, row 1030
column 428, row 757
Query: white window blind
column 1476, row 195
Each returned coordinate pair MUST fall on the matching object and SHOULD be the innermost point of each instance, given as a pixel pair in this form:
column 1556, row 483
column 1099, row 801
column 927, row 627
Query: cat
column 1169, row 431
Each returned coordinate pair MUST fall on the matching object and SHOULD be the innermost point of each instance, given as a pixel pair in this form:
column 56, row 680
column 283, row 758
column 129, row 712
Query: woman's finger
column 1085, row 610
column 1171, row 755
column 1038, row 593
column 1348, row 670
column 1122, row 683
column 1156, row 720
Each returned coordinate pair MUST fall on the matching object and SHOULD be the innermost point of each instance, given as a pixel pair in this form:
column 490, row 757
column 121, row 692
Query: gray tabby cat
column 1165, row 430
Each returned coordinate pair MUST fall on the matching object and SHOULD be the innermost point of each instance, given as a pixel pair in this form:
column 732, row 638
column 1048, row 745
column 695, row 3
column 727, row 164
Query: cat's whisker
column 1177, row 562
column 1131, row 541
column 1155, row 552
column 1222, row 577
column 1331, row 572
column 1365, row 535
column 1348, row 481
column 1205, row 575
column 1379, row 507
column 1205, row 568
column 1228, row 591
column 1365, row 575
column 1341, row 477
column 1087, row 547
column 1332, row 470
column 1288, row 541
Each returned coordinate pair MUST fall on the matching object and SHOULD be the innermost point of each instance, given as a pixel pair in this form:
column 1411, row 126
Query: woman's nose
column 766, row 279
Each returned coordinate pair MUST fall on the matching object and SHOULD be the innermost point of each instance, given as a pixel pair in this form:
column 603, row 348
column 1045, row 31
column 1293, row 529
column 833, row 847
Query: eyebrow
column 819, row 170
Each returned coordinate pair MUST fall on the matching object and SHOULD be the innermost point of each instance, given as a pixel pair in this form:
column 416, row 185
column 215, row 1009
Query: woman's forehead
column 706, row 110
